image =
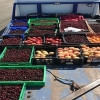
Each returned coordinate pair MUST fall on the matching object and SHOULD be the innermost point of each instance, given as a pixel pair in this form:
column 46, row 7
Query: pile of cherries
column 95, row 27
column 16, row 31
column 11, row 41
column 19, row 23
column 10, row 92
column 17, row 55
column 26, row 74
column 44, row 27
column 76, row 39
column 41, row 32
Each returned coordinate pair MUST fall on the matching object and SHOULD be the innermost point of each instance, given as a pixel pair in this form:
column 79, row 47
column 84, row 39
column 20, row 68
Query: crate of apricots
column 93, row 38
column 69, row 55
column 44, row 55
column 91, row 53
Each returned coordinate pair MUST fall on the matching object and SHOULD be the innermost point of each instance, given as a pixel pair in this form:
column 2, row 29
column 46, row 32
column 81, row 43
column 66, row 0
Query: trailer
column 63, row 82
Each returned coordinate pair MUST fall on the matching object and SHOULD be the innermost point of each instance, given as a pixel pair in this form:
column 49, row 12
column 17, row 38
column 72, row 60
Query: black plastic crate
column 48, row 60
column 69, row 60
column 94, row 38
column 27, row 40
column 76, row 39
column 58, row 39
column 91, row 55
column 11, row 43
column 19, row 23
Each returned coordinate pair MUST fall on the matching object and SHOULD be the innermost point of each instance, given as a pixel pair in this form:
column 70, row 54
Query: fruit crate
column 11, row 40
column 47, row 57
column 75, row 39
column 25, row 78
column 54, row 39
column 17, row 30
column 19, row 23
column 42, row 21
column 31, row 31
column 10, row 63
column 10, row 84
column 76, row 24
column 33, row 40
column 94, row 38
column 91, row 53
column 69, row 54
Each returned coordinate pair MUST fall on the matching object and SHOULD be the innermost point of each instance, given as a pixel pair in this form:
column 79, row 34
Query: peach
column 68, row 57
column 60, row 48
column 77, row 53
column 70, row 51
column 86, row 53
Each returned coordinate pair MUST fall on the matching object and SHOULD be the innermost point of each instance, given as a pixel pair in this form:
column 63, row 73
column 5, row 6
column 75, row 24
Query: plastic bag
column 72, row 29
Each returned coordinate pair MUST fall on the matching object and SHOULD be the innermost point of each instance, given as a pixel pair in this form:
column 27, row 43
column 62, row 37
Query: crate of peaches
column 9, row 91
column 54, row 39
column 91, row 53
column 94, row 38
column 33, row 40
column 44, row 55
column 69, row 55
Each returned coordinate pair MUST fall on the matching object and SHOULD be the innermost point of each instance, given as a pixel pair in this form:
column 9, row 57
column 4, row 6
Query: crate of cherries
column 17, row 30
column 16, row 55
column 76, row 24
column 19, row 23
column 39, row 32
column 31, row 75
column 76, row 39
column 44, row 55
column 9, row 40
column 9, row 91
column 33, row 40
column 69, row 55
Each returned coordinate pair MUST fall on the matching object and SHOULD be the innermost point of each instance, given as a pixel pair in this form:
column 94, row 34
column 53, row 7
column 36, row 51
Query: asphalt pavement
column 6, row 7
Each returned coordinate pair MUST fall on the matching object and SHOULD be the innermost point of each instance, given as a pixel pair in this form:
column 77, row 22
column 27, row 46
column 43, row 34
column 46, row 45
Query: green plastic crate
column 28, row 83
column 16, row 63
column 22, row 94
column 36, row 23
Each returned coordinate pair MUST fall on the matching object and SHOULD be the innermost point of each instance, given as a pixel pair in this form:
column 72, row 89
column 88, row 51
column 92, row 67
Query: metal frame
column 39, row 10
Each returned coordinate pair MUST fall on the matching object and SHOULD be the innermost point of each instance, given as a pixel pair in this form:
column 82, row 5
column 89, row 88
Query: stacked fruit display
column 69, row 53
column 10, row 92
column 33, row 40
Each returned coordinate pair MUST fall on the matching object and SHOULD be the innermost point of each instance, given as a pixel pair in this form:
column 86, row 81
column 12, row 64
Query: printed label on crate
column 93, row 60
